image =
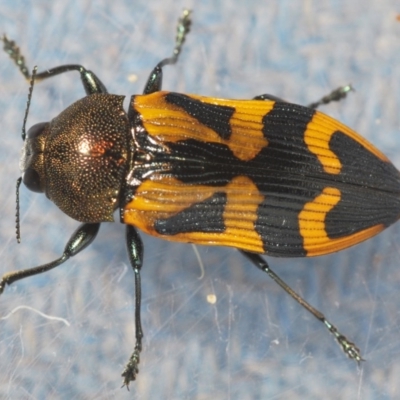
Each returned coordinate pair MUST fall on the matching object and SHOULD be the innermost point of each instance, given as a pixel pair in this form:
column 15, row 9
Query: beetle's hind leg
column 269, row 97
column 349, row 348
column 336, row 95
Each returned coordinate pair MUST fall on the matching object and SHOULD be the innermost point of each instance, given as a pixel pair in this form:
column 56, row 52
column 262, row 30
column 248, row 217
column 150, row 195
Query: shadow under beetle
column 264, row 176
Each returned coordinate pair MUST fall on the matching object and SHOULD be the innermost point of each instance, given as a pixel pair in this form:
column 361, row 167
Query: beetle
column 264, row 176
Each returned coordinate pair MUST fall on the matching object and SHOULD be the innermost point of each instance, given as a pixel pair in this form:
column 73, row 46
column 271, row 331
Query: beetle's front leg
column 79, row 240
column 91, row 83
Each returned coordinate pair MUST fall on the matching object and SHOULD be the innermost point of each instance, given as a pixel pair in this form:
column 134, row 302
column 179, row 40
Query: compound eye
column 31, row 180
column 37, row 129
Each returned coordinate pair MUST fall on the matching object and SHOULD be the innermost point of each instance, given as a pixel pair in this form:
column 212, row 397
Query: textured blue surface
column 255, row 342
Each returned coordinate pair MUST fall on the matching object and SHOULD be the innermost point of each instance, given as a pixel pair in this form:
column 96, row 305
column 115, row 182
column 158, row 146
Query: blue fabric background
column 255, row 342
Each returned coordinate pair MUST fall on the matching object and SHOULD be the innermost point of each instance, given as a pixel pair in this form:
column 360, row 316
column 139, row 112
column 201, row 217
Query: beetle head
column 81, row 157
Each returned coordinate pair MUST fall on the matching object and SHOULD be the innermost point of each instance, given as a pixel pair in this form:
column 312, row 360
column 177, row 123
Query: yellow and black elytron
column 264, row 176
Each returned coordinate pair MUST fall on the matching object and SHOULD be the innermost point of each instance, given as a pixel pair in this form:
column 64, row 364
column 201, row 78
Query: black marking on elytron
column 378, row 197
column 288, row 175
column 212, row 116
column 286, row 192
column 205, row 216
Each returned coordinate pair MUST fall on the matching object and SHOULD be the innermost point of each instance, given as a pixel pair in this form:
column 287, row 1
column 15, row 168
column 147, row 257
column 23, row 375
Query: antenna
column 17, row 228
column 28, row 103
column 23, row 134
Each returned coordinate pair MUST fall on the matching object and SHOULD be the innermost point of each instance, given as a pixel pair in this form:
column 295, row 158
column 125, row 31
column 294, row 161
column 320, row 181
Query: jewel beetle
column 264, row 176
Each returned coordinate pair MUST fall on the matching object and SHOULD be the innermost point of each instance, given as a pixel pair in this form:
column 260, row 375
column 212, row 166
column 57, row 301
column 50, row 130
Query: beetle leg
column 154, row 82
column 349, row 348
column 336, row 95
column 79, row 240
column 268, row 97
column 91, row 83
column 135, row 252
